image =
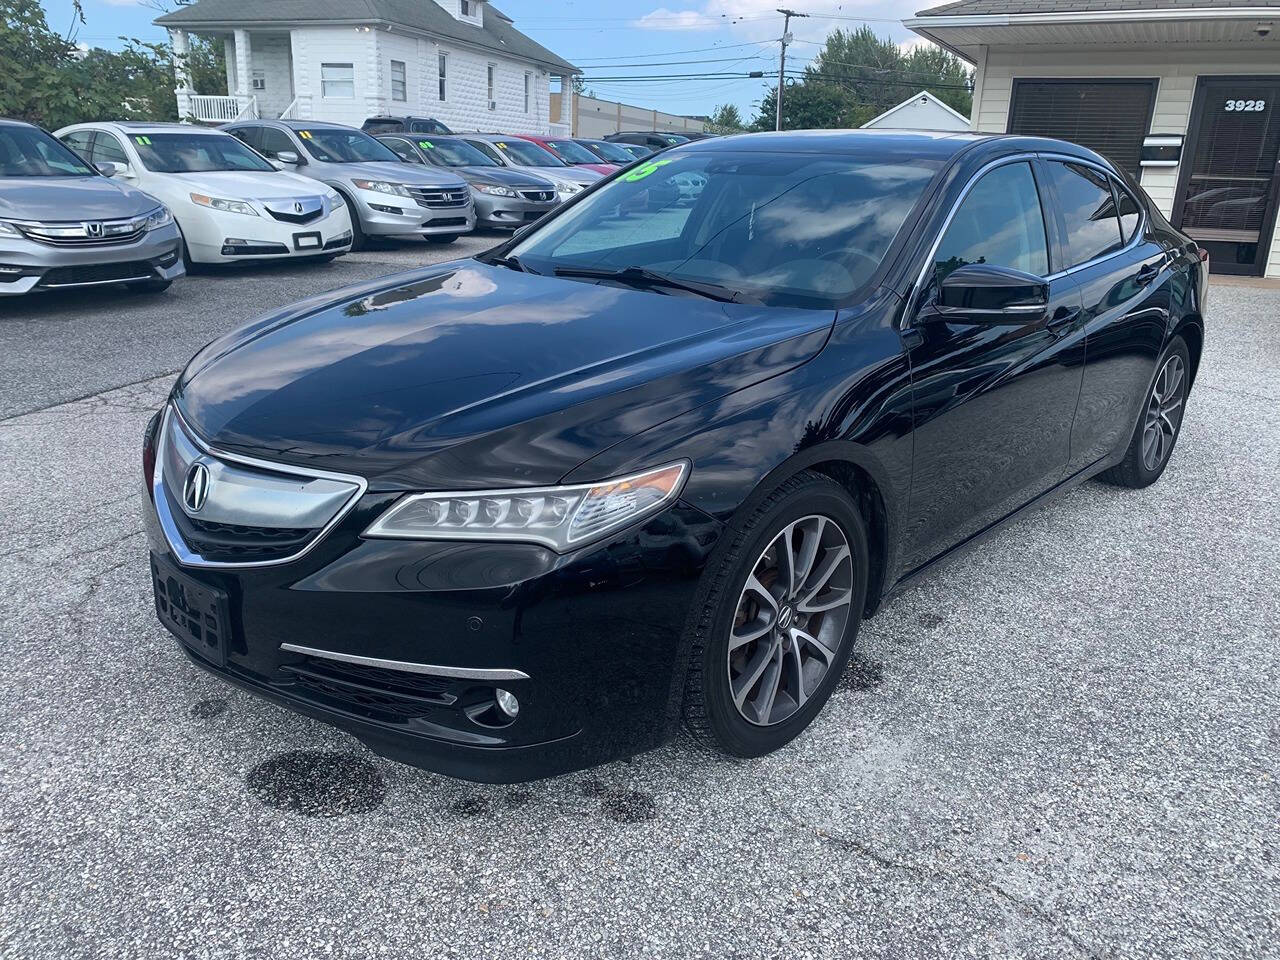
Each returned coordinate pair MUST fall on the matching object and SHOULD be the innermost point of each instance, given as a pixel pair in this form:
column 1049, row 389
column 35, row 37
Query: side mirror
column 289, row 157
column 109, row 169
column 981, row 293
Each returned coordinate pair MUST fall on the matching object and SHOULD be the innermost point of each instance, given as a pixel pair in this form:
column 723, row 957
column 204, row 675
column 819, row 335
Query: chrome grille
column 441, row 198
column 538, row 196
column 85, row 233
column 299, row 210
column 249, row 512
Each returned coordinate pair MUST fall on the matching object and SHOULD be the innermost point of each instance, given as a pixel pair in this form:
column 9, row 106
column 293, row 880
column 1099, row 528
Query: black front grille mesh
column 97, row 273
column 391, row 694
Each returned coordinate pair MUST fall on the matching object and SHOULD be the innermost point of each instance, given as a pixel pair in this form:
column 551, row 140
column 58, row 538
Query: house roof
column 498, row 33
column 1013, row 7
column 925, row 95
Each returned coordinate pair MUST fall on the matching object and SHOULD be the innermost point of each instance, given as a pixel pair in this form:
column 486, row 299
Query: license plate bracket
column 197, row 614
column 307, row 241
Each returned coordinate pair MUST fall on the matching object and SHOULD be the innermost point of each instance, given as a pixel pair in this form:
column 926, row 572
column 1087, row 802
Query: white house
column 923, row 111
column 460, row 61
column 1185, row 94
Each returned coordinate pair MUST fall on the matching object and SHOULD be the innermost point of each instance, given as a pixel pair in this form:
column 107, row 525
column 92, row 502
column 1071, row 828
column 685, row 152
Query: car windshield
column 28, row 152
column 331, row 145
column 572, row 152
column 196, row 153
column 455, row 153
column 802, row 230
column 525, row 153
column 636, row 150
column 612, row 152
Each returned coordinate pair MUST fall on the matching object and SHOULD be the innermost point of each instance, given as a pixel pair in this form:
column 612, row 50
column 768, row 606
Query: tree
column 857, row 76
column 45, row 81
column 726, row 119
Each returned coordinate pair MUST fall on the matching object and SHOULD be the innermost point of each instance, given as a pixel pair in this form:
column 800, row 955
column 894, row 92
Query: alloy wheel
column 790, row 620
column 1164, row 413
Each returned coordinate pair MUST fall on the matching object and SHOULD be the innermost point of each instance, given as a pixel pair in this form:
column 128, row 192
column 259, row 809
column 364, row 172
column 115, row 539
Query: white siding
column 920, row 114
column 1175, row 67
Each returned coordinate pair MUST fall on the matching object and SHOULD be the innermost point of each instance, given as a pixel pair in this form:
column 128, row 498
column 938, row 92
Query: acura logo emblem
column 93, row 228
column 196, row 488
column 297, row 206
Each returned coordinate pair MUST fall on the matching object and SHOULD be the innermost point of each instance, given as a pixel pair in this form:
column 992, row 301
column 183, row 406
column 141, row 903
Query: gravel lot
column 1063, row 745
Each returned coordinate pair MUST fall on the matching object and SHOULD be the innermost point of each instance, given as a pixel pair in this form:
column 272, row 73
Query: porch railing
column 210, row 109
column 291, row 111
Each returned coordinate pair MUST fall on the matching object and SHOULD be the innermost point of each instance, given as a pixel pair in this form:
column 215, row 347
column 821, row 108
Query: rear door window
column 1128, row 209
column 250, row 135
column 1000, row 222
column 1088, row 210
column 79, row 142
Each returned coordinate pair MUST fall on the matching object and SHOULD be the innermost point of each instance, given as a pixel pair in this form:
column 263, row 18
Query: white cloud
column 664, row 19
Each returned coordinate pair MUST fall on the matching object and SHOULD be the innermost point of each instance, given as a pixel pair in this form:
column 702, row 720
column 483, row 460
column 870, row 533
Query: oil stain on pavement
column 208, row 709
column 318, row 783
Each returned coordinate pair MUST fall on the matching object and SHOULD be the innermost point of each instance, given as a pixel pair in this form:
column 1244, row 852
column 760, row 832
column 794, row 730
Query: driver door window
column 107, row 149
column 402, row 149
column 999, row 223
column 274, row 142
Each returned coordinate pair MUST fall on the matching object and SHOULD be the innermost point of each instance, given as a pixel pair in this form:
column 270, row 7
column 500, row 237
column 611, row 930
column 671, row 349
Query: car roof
column 142, row 126
column 937, row 144
column 6, row 122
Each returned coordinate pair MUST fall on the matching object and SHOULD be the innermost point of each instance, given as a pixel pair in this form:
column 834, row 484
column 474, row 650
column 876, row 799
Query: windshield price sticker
column 142, row 141
column 426, row 145
column 645, row 169
column 305, row 134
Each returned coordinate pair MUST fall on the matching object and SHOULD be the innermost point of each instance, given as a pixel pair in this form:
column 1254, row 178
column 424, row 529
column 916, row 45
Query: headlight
column 569, row 189
column 7, row 229
column 226, row 206
column 561, row 518
column 159, row 217
column 381, row 186
column 335, row 200
column 495, row 190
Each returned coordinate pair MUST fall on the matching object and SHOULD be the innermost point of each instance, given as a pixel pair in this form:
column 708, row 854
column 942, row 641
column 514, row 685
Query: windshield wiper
column 511, row 263
column 644, row 277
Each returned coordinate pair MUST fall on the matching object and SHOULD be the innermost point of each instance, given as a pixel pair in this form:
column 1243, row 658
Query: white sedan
column 229, row 202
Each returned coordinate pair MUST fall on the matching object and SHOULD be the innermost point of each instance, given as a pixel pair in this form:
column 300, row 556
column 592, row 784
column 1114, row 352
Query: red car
column 574, row 154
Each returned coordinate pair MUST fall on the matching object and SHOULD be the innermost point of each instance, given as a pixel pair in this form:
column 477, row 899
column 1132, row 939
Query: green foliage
column 725, row 119
column 45, row 81
column 857, row 76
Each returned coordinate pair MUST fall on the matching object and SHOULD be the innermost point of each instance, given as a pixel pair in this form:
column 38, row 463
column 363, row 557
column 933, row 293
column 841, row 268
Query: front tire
column 1159, row 423
column 443, row 238
column 777, row 616
column 151, row 286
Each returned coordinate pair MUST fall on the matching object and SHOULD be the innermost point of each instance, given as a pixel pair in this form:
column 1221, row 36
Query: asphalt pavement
column 1063, row 745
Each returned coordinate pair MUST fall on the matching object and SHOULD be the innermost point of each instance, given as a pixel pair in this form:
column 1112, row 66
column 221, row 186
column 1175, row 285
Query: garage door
column 1109, row 116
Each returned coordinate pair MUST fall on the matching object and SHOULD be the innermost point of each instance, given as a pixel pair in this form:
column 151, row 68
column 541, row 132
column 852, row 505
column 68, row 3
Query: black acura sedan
column 653, row 462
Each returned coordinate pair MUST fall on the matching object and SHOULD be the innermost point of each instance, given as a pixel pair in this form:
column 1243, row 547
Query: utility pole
column 782, row 60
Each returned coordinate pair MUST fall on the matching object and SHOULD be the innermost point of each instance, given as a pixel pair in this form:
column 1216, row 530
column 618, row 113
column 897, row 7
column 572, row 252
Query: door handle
column 1148, row 273
column 1062, row 319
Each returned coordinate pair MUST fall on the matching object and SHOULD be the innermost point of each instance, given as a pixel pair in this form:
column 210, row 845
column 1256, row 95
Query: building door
column 1229, row 187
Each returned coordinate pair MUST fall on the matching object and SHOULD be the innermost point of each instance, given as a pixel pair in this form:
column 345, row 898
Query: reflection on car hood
column 396, row 172
column 70, row 198
column 470, row 375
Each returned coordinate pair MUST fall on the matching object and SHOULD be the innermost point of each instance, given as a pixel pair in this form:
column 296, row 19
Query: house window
column 492, row 104
column 259, row 80
column 468, row 8
column 528, row 82
column 444, row 74
column 399, row 89
column 338, row 81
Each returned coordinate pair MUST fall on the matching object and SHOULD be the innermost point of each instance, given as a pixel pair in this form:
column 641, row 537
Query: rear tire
column 796, row 650
column 1159, row 423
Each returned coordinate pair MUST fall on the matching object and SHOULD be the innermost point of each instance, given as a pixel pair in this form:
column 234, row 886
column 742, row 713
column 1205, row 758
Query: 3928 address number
column 1245, row 106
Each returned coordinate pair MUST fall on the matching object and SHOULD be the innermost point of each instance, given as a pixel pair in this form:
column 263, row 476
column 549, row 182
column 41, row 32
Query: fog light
column 507, row 702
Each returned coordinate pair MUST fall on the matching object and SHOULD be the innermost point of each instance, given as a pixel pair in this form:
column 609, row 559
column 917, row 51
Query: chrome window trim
column 407, row 666
column 1023, row 158
column 188, row 557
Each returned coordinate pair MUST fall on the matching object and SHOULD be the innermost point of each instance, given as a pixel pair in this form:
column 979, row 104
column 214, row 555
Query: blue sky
column 731, row 35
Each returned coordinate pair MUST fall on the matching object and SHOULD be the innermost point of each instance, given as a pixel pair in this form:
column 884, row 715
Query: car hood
column 247, row 185
column 70, row 198
column 602, row 168
column 468, row 375
column 411, row 173
column 504, row 176
column 557, row 176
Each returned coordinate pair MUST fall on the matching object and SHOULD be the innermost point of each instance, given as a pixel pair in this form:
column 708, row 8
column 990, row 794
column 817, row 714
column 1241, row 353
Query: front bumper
column 509, row 212
column 208, row 233
column 397, row 217
column 29, row 266
column 590, row 643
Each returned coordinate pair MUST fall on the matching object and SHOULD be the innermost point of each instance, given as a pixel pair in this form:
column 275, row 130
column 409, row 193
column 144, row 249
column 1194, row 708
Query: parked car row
column 138, row 204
